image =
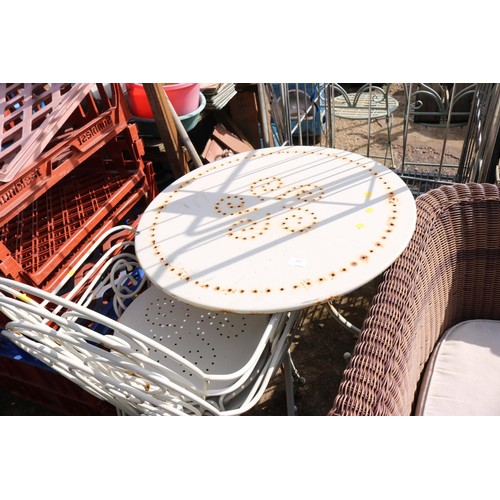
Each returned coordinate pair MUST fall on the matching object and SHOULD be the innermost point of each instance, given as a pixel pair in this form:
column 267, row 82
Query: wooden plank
column 226, row 138
column 245, row 114
column 213, row 151
column 226, row 120
column 167, row 129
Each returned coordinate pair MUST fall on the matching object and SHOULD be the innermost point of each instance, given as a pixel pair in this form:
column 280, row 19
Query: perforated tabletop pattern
column 275, row 229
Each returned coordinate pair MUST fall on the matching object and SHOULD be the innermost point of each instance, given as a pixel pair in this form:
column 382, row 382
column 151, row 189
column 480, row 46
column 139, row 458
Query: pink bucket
column 185, row 98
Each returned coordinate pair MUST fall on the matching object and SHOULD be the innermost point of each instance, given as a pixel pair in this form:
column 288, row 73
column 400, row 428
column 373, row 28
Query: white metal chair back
column 159, row 356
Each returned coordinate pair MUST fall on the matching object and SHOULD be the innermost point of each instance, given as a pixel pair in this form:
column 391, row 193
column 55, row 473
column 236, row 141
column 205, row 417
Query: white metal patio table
column 275, row 230
column 364, row 106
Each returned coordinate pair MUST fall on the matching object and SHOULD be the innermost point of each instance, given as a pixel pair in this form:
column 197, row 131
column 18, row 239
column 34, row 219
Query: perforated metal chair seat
column 217, row 343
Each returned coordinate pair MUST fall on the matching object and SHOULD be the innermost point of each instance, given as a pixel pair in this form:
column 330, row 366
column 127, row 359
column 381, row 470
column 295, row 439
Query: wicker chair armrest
column 449, row 272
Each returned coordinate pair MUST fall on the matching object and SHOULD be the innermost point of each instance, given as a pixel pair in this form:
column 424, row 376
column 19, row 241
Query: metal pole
column 490, row 158
column 408, row 91
column 261, row 91
column 369, row 118
column 286, row 112
column 448, row 121
column 186, row 140
column 167, row 129
column 329, row 118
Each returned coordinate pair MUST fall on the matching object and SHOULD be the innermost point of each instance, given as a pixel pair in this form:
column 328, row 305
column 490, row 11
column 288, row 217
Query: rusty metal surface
column 275, row 229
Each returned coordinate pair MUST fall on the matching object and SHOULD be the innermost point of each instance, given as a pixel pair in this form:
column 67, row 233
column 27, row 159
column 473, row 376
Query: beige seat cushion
column 463, row 374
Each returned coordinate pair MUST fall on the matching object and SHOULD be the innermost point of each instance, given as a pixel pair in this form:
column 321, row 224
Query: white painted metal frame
column 125, row 369
column 369, row 103
column 134, row 370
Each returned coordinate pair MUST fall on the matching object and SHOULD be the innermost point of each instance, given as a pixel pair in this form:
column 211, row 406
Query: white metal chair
column 368, row 103
column 128, row 343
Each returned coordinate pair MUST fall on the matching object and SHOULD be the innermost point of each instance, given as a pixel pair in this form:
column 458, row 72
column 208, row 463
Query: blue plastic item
column 304, row 95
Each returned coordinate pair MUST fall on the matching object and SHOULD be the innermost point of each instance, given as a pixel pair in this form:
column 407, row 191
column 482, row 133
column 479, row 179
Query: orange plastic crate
column 43, row 242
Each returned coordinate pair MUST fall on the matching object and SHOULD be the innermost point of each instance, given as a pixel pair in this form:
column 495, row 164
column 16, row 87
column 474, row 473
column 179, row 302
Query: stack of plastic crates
column 55, row 204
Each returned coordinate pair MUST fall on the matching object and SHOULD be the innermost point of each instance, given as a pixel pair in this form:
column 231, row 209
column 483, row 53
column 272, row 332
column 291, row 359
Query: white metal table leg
column 287, row 372
column 342, row 321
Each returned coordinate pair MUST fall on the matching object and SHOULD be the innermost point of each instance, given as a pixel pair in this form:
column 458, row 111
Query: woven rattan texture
column 450, row 272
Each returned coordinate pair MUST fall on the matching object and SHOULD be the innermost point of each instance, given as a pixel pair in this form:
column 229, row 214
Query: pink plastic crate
column 90, row 126
column 30, row 116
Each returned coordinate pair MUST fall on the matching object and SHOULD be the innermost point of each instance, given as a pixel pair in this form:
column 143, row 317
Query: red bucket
column 185, row 98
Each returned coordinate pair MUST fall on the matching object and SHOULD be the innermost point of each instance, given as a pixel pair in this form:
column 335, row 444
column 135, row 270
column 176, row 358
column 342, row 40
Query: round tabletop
column 363, row 110
column 276, row 229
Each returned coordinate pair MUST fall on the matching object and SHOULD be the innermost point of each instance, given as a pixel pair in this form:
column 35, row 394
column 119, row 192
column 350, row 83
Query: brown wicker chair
column 449, row 273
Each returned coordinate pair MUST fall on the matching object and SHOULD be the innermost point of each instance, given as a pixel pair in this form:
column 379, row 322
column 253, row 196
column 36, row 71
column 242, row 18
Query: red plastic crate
column 47, row 388
column 92, row 124
column 42, row 243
